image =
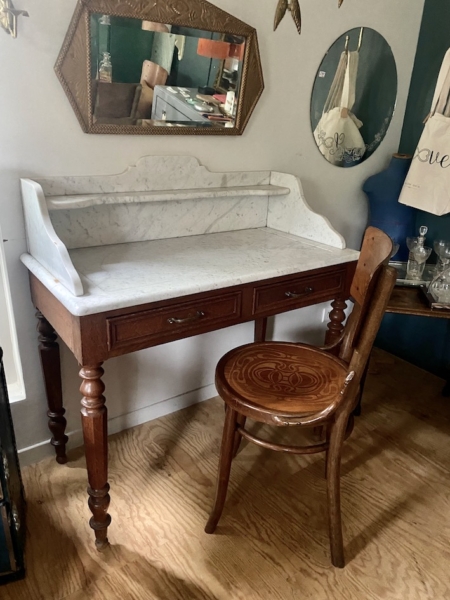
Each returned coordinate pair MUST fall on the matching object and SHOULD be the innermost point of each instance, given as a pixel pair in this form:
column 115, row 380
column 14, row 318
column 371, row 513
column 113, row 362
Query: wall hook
column 361, row 33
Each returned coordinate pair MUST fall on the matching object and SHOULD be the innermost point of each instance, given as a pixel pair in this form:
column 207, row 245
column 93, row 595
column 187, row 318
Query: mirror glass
column 150, row 74
column 354, row 97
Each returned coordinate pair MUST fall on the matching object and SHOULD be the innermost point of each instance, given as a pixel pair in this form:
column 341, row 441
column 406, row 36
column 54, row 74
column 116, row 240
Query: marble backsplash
column 136, row 222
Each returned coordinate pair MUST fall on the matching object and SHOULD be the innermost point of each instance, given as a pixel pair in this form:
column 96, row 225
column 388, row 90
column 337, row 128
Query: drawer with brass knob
column 180, row 319
column 297, row 292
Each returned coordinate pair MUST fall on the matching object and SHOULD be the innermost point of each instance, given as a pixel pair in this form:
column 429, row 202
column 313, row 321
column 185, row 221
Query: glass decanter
column 105, row 68
column 414, row 268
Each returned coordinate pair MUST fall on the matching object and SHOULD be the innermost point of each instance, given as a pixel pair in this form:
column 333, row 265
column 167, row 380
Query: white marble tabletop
column 130, row 274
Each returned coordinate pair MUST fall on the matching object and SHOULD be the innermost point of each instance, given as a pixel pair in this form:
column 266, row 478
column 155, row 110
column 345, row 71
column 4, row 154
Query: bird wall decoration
column 294, row 7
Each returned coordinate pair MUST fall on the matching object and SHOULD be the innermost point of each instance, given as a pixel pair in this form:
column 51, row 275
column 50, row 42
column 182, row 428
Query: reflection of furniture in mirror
column 124, row 103
column 177, row 105
column 161, row 252
column 116, row 102
column 178, row 47
column 358, row 73
column 152, row 75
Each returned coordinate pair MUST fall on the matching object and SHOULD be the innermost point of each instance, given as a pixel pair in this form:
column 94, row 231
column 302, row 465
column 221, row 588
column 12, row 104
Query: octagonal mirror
column 184, row 67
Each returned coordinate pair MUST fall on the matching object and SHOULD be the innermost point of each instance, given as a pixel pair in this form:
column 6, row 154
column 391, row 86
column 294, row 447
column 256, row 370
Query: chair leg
column 333, row 490
column 226, row 456
column 358, row 408
column 240, row 421
column 327, row 452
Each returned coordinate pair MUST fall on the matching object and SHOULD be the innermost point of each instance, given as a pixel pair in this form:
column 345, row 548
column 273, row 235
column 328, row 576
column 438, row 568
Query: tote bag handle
column 351, row 72
column 335, row 94
column 442, row 90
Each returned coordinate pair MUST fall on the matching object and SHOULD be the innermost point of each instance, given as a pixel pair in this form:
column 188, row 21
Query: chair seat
column 283, row 378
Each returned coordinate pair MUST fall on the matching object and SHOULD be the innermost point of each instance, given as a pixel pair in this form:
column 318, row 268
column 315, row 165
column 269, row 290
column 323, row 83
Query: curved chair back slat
column 374, row 315
column 375, row 251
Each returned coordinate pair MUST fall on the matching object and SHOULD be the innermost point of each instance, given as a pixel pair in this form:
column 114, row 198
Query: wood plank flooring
column 272, row 541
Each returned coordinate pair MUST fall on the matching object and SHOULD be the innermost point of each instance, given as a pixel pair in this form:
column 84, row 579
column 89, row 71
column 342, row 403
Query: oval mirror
column 354, row 96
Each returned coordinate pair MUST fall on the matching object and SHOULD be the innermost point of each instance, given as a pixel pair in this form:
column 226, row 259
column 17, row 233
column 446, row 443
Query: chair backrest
column 375, row 311
column 375, row 252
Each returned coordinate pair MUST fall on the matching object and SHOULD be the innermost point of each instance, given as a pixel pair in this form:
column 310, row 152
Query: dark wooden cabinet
column 12, row 501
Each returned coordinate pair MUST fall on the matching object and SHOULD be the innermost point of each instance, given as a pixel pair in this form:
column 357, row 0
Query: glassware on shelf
column 421, row 254
column 414, row 269
column 411, row 242
column 439, row 288
column 441, row 247
column 105, row 68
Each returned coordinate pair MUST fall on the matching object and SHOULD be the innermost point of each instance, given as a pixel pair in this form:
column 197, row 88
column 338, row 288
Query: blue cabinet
column 12, row 501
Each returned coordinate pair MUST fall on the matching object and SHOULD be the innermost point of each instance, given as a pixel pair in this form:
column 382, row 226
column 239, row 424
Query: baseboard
column 33, row 454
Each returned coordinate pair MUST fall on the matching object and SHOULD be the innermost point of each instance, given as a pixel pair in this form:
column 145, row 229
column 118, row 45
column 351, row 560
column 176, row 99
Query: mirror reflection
column 354, row 96
column 146, row 74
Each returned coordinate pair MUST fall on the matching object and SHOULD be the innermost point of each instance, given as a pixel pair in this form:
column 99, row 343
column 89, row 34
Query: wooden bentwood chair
column 286, row 384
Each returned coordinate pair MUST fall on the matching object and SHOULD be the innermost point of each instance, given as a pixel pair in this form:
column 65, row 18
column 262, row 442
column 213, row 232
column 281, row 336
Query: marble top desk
column 165, row 251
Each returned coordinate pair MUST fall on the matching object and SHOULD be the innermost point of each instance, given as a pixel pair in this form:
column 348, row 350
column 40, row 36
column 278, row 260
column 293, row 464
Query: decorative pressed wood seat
column 287, row 384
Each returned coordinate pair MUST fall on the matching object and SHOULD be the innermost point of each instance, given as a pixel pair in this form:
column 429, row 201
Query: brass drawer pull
column 198, row 315
column 307, row 290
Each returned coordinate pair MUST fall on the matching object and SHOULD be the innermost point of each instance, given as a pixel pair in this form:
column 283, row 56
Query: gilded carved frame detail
column 73, row 64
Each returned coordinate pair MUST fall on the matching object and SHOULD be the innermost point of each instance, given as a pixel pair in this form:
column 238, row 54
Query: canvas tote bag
column 427, row 185
column 337, row 133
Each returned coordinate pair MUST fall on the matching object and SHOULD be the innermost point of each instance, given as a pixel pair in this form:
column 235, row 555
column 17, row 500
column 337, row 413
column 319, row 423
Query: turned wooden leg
column 260, row 330
column 333, row 467
column 226, row 456
column 337, row 318
column 51, row 368
column 94, row 421
column 260, row 336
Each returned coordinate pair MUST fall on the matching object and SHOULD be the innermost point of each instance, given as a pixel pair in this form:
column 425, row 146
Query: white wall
column 41, row 136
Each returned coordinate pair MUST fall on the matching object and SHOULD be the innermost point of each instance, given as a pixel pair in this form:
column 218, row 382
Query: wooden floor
column 272, row 541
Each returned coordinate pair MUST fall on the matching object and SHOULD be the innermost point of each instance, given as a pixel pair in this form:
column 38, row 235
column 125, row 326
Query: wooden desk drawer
column 297, row 292
column 181, row 319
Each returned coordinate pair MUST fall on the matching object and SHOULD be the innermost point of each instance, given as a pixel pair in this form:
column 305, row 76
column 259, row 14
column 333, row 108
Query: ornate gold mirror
column 178, row 67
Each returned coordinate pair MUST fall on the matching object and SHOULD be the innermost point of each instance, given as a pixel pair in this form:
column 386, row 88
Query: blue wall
column 423, row 341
